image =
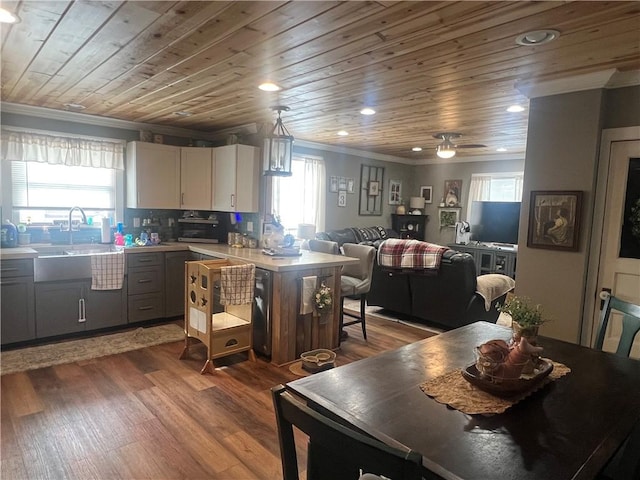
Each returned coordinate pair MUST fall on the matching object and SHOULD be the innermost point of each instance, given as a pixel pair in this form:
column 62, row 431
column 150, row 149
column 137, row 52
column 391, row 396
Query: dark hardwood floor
column 146, row 414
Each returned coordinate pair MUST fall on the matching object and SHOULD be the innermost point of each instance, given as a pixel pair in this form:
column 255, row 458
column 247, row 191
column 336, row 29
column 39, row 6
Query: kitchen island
column 292, row 333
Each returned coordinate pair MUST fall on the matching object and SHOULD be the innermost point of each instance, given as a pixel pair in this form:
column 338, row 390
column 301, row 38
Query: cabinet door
column 196, row 170
column 236, row 178
column 247, row 179
column 59, row 308
column 224, row 191
column 104, row 308
column 174, row 294
column 153, row 175
column 17, row 310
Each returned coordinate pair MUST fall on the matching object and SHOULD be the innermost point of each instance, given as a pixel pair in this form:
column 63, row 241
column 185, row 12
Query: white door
column 620, row 274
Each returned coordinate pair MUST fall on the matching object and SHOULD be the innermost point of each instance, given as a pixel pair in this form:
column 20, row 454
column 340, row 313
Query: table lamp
column 416, row 204
column 306, row 231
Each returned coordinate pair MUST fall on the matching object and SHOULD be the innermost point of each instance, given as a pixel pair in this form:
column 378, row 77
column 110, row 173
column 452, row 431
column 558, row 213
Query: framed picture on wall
column 333, row 184
column 452, row 192
column 351, row 185
column 448, row 217
column 395, row 192
column 374, row 189
column 554, row 220
column 426, row 192
column 342, row 183
column 342, row 198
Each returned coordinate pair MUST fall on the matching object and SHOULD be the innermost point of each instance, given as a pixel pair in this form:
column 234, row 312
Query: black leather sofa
column 365, row 235
column 447, row 298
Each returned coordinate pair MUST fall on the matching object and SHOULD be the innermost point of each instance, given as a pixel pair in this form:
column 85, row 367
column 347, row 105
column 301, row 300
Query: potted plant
column 526, row 317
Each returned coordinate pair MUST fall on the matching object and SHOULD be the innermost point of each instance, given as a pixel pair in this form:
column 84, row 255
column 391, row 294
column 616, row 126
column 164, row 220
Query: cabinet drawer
column 16, row 268
column 145, row 307
column 144, row 259
column 145, row 280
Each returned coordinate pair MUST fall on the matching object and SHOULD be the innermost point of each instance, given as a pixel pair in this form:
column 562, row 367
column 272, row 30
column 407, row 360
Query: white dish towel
column 107, row 271
column 306, row 299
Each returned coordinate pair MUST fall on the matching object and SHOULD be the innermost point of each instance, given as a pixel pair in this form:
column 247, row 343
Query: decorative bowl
column 318, row 360
column 508, row 387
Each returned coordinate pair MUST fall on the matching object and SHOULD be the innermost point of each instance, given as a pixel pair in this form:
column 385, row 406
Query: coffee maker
column 463, row 233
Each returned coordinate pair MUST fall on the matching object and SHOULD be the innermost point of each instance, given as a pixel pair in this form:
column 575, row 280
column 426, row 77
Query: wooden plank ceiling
column 425, row 67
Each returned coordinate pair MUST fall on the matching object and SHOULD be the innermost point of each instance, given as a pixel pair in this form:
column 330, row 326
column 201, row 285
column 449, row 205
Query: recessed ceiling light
column 343, row 133
column 269, row 87
column 416, row 149
column 74, row 106
column 367, row 111
column 501, row 149
column 537, row 37
column 515, row 108
column 182, row 113
column 8, row 17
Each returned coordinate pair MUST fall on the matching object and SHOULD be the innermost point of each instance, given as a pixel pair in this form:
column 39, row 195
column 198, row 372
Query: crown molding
column 65, row 116
column 611, row 78
column 352, row 151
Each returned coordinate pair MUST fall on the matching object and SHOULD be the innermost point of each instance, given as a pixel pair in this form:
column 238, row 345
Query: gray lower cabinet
column 174, row 292
column 65, row 307
column 17, row 301
column 145, row 279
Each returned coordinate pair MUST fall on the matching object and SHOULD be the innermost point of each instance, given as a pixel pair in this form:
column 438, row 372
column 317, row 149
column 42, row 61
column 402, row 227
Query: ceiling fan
column 447, row 148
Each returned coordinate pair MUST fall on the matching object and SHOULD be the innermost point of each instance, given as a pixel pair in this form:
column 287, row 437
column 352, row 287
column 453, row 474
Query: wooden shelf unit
column 410, row 226
column 224, row 329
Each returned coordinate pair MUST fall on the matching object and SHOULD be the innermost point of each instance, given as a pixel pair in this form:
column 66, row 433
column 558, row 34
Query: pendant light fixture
column 278, row 148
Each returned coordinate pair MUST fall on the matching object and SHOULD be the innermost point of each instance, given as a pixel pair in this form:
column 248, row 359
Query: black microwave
column 202, row 230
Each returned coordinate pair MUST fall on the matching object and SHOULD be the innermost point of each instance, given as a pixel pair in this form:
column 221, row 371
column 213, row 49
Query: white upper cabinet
column 196, row 170
column 236, row 178
column 153, row 175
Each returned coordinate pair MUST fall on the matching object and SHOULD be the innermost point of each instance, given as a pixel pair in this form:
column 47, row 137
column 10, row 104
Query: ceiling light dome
column 446, row 149
column 367, row 111
column 537, row 37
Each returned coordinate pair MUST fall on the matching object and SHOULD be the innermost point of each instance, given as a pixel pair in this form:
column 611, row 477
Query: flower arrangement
column 522, row 311
column 323, row 300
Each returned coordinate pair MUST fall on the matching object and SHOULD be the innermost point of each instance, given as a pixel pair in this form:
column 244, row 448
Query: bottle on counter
column 9, row 235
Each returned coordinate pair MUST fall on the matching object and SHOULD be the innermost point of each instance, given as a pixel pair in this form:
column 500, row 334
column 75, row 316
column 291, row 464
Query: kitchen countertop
column 250, row 255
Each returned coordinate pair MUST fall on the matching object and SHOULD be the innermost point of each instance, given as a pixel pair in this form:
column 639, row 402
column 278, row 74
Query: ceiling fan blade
column 472, row 145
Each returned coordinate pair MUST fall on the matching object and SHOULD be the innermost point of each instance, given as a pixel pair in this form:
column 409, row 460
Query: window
column 496, row 187
column 50, row 173
column 300, row 198
column 43, row 193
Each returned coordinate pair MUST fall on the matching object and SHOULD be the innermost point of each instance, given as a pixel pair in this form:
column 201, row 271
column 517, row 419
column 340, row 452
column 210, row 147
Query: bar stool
column 356, row 282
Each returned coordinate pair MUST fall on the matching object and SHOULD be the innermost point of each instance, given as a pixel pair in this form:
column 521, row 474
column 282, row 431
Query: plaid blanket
column 400, row 253
column 237, row 284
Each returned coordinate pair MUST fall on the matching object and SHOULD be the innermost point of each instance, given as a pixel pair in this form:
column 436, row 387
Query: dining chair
column 324, row 246
column 626, row 462
column 630, row 324
column 335, row 451
column 356, row 282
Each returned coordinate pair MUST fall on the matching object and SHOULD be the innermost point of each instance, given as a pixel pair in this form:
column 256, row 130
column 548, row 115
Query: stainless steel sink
column 67, row 262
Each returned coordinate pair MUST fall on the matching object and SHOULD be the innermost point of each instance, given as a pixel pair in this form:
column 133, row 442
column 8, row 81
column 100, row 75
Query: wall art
column 554, row 220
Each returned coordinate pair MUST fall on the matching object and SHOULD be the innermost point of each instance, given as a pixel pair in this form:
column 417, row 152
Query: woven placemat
column 453, row 390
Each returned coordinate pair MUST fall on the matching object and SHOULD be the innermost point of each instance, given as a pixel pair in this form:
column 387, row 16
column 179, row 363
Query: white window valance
column 59, row 150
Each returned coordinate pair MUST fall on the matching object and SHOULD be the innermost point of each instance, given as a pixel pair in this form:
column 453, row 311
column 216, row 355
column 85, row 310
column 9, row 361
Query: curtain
column 479, row 189
column 58, row 150
column 301, row 197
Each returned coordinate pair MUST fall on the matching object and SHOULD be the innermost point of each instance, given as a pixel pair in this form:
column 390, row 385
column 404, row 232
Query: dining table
column 568, row 427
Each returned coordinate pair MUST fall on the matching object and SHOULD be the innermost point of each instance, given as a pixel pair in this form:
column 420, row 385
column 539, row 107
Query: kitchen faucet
column 84, row 220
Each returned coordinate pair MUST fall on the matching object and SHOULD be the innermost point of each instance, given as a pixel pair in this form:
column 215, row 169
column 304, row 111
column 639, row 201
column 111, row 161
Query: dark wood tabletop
column 568, row 429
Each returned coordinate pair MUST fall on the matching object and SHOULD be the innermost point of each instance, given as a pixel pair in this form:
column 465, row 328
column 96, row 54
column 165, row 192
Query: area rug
column 31, row 358
column 353, row 306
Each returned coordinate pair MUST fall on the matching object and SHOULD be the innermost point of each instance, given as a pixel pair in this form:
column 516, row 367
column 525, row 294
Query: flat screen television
column 495, row 222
